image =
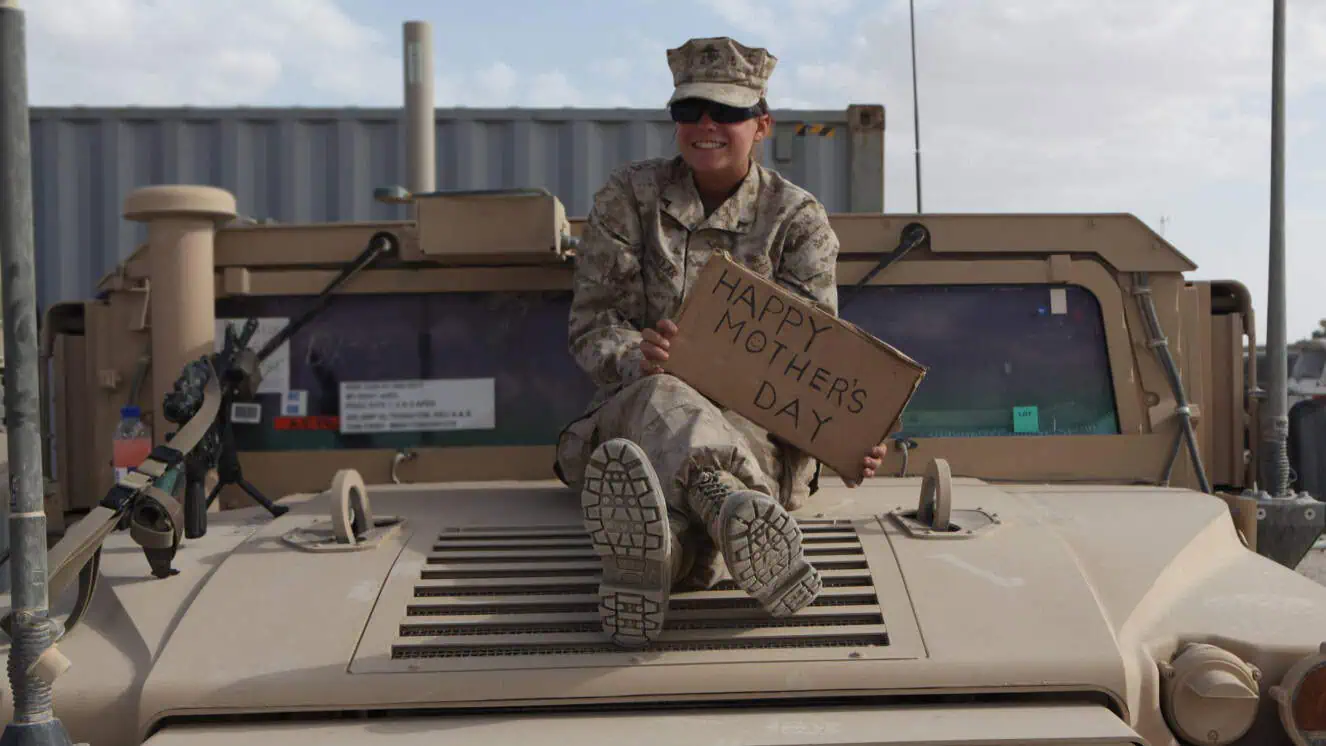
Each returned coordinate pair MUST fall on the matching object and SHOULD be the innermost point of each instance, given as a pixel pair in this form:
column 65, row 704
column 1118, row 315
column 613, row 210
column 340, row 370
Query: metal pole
column 420, row 128
column 1287, row 523
column 916, row 108
column 1276, row 348
column 32, row 632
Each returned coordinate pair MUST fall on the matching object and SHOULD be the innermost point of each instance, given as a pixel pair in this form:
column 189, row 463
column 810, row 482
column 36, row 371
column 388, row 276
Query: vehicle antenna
column 1287, row 523
column 33, row 660
column 916, row 108
column 1276, row 349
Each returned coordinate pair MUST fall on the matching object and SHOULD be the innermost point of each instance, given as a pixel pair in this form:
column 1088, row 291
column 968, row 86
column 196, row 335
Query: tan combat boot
column 624, row 511
column 760, row 542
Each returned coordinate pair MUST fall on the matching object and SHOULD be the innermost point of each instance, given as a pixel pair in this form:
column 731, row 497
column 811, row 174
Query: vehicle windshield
column 1309, row 364
column 1003, row 360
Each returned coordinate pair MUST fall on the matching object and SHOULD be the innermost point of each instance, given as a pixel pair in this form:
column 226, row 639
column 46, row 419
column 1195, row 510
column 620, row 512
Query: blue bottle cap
column 131, row 411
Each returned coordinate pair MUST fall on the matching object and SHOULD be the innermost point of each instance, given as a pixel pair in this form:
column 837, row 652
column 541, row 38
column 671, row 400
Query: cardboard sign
column 814, row 380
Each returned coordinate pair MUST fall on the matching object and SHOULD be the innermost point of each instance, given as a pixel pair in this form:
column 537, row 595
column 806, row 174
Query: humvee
column 1061, row 546
column 1307, row 371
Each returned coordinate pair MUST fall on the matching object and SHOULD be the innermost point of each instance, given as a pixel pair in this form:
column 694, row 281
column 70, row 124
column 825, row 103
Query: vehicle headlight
column 1211, row 695
column 1302, row 698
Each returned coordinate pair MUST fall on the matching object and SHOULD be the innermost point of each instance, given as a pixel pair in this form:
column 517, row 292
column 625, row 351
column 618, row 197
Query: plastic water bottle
column 132, row 444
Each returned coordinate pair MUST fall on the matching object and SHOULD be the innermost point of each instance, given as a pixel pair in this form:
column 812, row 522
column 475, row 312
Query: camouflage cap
column 720, row 69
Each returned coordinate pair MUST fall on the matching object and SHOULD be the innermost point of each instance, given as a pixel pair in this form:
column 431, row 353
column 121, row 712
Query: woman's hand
column 655, row 346
column 874, row 457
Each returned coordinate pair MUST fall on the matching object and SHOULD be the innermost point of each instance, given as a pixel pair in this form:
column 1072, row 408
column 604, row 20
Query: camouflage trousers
column 683, row 433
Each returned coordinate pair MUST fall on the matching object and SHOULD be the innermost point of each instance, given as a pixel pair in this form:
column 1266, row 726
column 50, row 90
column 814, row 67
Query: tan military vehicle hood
column 484, row 597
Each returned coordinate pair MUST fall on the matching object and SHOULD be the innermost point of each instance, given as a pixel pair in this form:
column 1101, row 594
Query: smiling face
column 716, row 140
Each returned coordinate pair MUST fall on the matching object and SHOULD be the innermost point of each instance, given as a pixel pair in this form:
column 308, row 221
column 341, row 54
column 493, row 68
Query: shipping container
column 301, row 165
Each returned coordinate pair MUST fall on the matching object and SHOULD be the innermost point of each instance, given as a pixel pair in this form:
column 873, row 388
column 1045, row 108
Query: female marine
column 670, row 482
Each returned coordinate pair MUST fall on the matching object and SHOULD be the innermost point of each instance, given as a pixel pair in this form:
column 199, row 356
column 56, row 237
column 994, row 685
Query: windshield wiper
column 913, row 235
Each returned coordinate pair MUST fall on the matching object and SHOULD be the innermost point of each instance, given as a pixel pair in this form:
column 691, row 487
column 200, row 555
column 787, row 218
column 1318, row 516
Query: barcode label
column 246, row 413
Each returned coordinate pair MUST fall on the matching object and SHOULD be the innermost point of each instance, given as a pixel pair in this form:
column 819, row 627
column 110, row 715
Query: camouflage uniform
column 651, row 455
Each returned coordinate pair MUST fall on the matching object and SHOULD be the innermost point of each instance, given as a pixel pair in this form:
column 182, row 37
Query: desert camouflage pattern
column 644, row 243
column 684, row 435
column 720, row 69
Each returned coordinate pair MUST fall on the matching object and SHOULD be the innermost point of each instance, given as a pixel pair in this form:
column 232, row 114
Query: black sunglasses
column 689, row 111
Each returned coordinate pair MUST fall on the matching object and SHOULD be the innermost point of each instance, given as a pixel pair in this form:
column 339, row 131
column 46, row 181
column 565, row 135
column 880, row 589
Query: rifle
column 143, row 501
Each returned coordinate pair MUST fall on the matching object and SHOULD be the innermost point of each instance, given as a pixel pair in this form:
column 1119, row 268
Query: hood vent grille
column 533, row 591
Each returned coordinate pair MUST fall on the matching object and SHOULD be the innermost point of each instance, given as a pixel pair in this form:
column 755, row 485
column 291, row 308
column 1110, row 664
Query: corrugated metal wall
column 299, row 165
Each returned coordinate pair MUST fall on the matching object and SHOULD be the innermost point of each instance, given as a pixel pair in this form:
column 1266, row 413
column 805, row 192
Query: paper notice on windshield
column 413, row 406
column 1058, row 301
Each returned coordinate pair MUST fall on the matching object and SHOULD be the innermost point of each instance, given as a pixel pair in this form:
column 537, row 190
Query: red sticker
column 306, row 423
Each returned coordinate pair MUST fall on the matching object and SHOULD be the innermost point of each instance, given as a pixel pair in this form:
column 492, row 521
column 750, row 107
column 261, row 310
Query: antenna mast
column 1276, row 349
column 1287, row 523
column 34, row 662
column 916, row 108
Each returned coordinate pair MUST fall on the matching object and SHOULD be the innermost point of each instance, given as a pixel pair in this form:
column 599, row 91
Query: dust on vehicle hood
column 486, row 596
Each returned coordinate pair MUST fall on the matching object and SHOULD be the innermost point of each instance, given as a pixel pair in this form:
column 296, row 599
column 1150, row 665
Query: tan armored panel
column 181, row 232
column 522, row 226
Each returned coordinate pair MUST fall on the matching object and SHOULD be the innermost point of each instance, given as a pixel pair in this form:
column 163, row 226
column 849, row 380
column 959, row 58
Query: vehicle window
column 519, row 340
column 990, row 350
column 1309, row 364
column 1001, row 362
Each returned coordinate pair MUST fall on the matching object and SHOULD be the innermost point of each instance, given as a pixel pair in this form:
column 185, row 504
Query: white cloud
column 780, row 25
column 552, row 89
column 253, row 52
column 495, row 85
column 1113, row 102
column 191, row 52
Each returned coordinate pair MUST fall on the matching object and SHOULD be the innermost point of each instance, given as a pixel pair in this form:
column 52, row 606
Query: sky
column 1159, row 108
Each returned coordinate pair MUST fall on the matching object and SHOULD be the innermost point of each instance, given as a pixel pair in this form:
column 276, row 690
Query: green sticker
column 1026, row 420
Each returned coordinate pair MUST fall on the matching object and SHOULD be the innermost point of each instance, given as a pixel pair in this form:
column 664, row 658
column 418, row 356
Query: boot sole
column 624, row 511
column 764, row 553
